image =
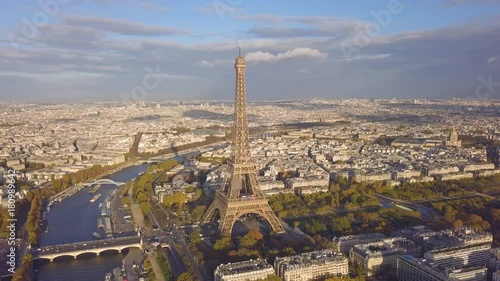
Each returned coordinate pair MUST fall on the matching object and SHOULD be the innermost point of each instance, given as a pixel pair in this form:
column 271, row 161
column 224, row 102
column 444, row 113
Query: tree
column 255, row 234
column 198, row 212
column 195, row 237
column 167, row 165
column 168, row 200
column 342, row 225
column 458, row 224
column 197, row 194
column 289, row 251
column 186, row 276
column 142, row 197
column 222, row 244
column 145, row 207
column 315, row 227
column 179, row 198
column 334, row 187
column 24, row 271
column 247, row 242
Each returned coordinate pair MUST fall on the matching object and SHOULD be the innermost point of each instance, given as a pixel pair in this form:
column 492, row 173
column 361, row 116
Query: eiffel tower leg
column 210, row 212
column 227, row 223
column 271, row 218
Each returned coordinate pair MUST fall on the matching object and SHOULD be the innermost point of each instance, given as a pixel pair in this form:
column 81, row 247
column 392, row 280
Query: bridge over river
column 96, row 247
column 104, row 181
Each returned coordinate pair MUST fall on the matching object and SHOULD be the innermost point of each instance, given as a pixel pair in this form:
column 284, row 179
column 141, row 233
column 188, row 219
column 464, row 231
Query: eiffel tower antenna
column 240, row 193
column 239, row 47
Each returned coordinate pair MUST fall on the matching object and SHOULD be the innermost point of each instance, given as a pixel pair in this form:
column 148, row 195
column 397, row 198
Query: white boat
column 96, row 235
column 95, row 198
column 100, row 205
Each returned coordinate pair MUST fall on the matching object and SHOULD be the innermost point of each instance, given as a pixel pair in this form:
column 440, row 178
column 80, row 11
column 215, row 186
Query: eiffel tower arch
column 240, row 193
column 231, row 210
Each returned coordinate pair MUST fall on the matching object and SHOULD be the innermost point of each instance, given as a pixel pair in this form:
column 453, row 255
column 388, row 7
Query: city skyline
column 106, row 50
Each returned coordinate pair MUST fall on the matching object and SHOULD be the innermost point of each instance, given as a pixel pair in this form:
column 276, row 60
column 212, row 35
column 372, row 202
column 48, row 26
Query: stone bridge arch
column 57, row 257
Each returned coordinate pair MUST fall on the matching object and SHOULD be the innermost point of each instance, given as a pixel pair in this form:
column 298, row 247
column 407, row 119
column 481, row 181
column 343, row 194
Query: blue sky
column 100, row 49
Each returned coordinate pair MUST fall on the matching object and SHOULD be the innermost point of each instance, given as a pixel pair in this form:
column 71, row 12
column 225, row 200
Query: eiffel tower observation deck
column 240, row 193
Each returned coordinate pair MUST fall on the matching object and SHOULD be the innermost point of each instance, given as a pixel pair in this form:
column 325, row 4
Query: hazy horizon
column 115, row 50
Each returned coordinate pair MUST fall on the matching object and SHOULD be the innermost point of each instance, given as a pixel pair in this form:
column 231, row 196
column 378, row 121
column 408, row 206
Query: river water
column 74, row 220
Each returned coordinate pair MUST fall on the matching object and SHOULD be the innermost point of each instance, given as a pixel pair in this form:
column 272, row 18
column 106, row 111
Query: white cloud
column 294, row 53
column 370, row 57
column 122, row 26
column 212, row 63
column 492, row 59
column 54, row 77
column 204, row 63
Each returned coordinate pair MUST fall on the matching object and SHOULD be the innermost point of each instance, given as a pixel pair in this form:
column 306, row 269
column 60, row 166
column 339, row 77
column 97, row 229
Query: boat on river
column 95, row 188
column 95, row 198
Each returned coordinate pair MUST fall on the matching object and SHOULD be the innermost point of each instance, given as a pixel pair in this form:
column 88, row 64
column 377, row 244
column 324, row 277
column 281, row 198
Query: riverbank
column 78, row 186
column 77, row 214
column 131, row 263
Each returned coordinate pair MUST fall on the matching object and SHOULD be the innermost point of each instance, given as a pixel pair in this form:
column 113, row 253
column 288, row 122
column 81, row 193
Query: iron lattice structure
column 240, row 193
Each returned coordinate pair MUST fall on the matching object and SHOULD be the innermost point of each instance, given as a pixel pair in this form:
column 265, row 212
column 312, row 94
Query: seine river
column 74, row 220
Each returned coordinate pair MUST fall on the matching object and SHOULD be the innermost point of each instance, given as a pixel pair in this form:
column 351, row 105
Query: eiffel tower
column 240, row 193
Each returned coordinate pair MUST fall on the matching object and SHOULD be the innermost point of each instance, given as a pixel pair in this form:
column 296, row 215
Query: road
column 428, row 212
column 425, row 212
column 179, row 239
column 175, row 260
column 156, row 268
column 134, row 255
column 117, row 215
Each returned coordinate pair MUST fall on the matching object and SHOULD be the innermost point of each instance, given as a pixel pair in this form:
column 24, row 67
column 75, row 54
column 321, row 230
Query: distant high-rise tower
column 453, row 139
column 240, row 193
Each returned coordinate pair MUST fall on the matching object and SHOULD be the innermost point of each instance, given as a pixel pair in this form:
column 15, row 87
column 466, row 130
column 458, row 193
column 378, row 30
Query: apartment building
column 242, row 271
column 311, row 266
column 344, row 244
